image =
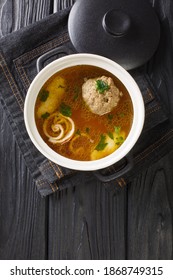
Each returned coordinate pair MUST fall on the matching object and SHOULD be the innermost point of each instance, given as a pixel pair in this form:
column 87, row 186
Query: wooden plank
column 22, row 211
column 62, row 4
column 16, row 14
column 23, row 214
column 150, row 211
column 87, row 222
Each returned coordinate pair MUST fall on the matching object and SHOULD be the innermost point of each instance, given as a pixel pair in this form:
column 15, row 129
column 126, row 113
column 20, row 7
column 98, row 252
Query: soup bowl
column 101, row 62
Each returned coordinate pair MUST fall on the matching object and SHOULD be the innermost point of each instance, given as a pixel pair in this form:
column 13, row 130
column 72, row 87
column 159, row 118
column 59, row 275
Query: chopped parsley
column 78, row 132
column 102, row 144
column 117, row 129
column 43, row 95
column 110, row 117
column 101, row 86
column 87, row 130
column 45, row 115
column 110, row 134
column 76, row 93
column 119, row 140
column 121, row 115
column 65, row 110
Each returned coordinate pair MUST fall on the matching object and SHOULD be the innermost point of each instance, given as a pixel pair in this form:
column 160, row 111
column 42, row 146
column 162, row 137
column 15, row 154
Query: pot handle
column 62, row 51
column 127, row 166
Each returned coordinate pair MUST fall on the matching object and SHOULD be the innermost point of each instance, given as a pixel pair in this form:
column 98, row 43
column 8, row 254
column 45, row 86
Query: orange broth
column 88, row 126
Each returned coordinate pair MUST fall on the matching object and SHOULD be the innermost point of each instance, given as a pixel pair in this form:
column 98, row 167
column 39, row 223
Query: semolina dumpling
column 53, row 93
column 111, row 144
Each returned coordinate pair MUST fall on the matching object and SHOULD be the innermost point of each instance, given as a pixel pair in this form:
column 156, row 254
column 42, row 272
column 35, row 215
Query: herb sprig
column 101, row 86
column 43, row 95
column 65, row 110
column 102, row 144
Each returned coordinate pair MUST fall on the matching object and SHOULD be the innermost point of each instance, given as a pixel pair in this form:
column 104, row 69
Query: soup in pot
column 84, row 113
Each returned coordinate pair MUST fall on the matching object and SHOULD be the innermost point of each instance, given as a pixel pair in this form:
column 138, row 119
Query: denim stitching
column 154, row 146
column 11, row 82
column 149, row 97
column 23, row 59
column 41, row 182
column 26, row 57
column 61, row 173
column 152, row 110
column 50, row 165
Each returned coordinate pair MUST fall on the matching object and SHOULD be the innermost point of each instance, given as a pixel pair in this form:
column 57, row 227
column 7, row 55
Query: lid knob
column 116, row 22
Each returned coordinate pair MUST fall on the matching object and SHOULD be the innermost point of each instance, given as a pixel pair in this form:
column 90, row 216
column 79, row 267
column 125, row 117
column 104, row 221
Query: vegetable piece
column 45, row 115
column 78, row 132
column 101, row 86
column 110, row 117
column 43, row 94
column 117, row 129
column 110, row 134
column 102, row 143
column 51, row 101
column 65, row 110
column 76, row 93
column 87, row 130
column 119, row 140
column 113, row 141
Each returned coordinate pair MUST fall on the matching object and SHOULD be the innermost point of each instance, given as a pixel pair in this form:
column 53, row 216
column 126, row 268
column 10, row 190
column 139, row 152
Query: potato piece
column 56, row 89
column 112, row 145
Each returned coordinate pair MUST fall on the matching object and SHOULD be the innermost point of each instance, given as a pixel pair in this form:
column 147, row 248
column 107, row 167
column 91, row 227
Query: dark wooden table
column 84, row 222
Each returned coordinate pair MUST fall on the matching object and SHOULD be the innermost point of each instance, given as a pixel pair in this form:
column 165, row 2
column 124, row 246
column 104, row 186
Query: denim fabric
column 19, row 52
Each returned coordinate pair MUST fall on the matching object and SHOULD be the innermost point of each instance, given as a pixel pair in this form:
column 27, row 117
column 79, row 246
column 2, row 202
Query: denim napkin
column 19, row 52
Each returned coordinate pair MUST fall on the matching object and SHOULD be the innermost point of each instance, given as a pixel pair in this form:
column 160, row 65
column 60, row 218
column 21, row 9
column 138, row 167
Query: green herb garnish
column 43, row 95
column 110, row 134
column 45, row 115
column 117, row 129
column 119, row 140
column 87, row 130
column 102, row 144
column 65, row 110
column 78, row 132
column 121, row 115
column 110, row 117
column 101, row 86
column 60, row 86
column 76, row 93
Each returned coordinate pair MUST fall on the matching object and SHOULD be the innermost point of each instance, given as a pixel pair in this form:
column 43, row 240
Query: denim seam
column 152, row 110
column 154, row 146
column 46, row 166
column 149, row 96
column 25, row 58
column 51, row 167
column 58, row 172
column 59, row 169
column 11, row 82
column 41, row 182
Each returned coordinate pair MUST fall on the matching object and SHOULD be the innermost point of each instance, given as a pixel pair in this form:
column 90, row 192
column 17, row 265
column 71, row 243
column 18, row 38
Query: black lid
column 125, row 31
